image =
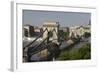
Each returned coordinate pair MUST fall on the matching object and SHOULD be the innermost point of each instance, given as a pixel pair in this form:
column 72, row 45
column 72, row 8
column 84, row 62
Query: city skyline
column 66, row 19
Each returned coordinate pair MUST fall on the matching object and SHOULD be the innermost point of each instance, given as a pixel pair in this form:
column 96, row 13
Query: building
column 64, row 29
column 28, row 30
column 79, row 31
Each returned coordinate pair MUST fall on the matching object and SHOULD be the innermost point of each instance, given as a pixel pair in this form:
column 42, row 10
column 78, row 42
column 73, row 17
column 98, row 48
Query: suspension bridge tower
column 52, row 31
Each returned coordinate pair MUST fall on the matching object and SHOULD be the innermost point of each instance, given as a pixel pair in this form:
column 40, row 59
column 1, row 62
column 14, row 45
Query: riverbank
column 83, row 52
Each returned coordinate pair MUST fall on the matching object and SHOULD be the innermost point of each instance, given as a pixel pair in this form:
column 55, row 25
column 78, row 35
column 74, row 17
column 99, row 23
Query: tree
column 87, row 34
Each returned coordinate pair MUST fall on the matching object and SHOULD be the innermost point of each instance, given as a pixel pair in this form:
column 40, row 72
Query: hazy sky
column 37, row 18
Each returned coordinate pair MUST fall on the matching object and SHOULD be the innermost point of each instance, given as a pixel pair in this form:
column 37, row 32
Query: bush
column 86, row 34
column 87, row 55
column 63, row 56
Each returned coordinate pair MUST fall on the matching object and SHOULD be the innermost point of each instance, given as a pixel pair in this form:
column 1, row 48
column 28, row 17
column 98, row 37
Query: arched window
column 50, row 34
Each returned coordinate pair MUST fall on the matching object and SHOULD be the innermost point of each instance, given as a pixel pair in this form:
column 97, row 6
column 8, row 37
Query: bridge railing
column 43, row 45
column 39, row 47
